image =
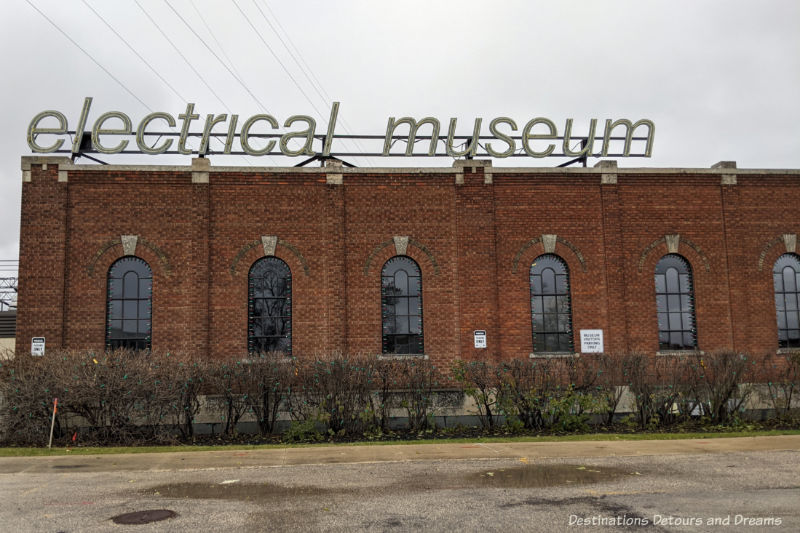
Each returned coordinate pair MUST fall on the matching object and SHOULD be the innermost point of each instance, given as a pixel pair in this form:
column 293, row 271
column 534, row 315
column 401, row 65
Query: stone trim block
column 129, row 244
column 200, row 169
column 790, row 240
column 673, row 242
column 269, row 242
column 727, row 179
column 549, row 243
column 609, row 172
column 400, row 244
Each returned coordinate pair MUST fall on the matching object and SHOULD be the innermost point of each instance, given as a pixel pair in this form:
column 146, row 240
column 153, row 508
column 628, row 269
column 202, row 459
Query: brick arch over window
column 401, row 245
column 265, row 243
column 786, row 283
column 127, row 245
column 673, row 243
column 789, row 241
column 548, row 246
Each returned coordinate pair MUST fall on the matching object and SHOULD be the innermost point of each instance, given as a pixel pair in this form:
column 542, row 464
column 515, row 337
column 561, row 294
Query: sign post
column 53, row 422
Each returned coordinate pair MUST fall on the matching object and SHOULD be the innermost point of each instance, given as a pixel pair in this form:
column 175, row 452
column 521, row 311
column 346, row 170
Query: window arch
column 129, row 304
column 551, row 309
column 786, row 279
column 401, row 306
column 675, row 304
column 269, row 307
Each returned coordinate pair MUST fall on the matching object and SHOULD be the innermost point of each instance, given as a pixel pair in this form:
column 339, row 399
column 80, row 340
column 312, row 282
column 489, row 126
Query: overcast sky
column 720, row 79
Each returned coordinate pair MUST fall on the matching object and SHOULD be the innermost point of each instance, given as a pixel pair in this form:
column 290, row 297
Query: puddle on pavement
column 532, row 476
column 237, row 491
column 515, row 477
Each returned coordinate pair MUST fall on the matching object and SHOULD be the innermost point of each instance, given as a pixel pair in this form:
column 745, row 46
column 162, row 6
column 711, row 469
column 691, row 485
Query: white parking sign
column 591, row 341
column 37, row 346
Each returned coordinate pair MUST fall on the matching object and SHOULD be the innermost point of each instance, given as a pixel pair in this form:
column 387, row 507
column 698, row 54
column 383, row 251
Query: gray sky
column 720, row 79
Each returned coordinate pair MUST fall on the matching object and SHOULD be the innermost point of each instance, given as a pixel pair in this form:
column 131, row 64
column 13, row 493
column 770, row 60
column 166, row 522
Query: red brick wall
column 199, row 240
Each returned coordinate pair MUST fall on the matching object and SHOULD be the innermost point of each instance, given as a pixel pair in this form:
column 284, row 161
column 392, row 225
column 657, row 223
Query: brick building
column 225, row 260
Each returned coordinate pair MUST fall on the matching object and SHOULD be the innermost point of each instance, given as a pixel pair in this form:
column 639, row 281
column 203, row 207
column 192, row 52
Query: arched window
column 269, row 307
column 551, row 312
column 129, row 304
column 675, row 304
column 401, row 306
column 786, row 278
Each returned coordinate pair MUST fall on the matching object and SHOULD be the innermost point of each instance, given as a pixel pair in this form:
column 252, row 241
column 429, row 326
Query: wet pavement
column 747, row 485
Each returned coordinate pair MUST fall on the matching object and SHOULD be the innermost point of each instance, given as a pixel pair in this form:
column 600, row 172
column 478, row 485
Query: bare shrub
column 418, row 380
column 116, row 397
column 481, row 382
column 28, row 388
column 228, row 387
column 658, row 385
column 609, row 385
column 335, row 390
column 780, row 381
column 268, row 384
column 720, row 382
column 547, row 393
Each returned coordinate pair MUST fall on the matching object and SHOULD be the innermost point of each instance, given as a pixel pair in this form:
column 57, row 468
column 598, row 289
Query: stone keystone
column 549, row 243
column 400, row 244
column 269, row 242
column 790, row 240
column 673, row 241
column 129, row 244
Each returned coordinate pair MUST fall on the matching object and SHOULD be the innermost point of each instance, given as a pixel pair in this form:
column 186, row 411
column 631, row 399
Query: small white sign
column 37, row 346
column 592, row 341
column 480, row 338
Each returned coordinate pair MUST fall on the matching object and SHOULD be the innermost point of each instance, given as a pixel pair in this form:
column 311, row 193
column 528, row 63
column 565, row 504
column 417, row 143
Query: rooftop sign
column 113, row 132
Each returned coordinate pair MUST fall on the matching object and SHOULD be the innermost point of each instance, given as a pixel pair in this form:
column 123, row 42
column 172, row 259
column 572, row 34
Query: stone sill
column 553, row 355
column 400, row 356
column 668, row 353
column 788, row 351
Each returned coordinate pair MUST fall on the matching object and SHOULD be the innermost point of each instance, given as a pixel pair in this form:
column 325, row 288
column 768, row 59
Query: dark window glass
column 786, row 279
column 401, row 306
column 269, row 307
column 129, row 304
column 675, row 304
column 551, row 313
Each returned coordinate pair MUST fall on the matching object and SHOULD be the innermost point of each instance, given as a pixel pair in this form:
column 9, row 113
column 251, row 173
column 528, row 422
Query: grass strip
column 110, row 450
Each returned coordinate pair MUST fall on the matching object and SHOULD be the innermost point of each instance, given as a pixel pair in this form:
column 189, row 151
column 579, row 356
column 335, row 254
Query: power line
column 245, row 87
column 301, row 63
column 185, row 60
column 96, row 62
column 275, row 56
column 189, row 64
column 132, row 49
column 213, row 36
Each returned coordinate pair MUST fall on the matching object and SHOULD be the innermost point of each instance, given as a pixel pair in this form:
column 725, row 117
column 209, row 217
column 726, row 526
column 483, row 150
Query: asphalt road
column 739, row 486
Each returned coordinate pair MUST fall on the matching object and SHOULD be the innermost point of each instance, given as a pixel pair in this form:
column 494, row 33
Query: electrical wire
column 197, row 73
column 306, row 70
column 244, row 86
column 185, row 60
column 132, row 49
column 213, row 36
column 96, row 62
